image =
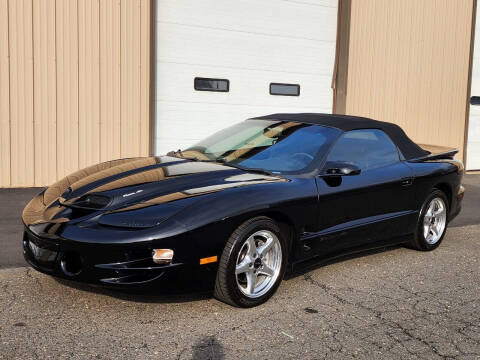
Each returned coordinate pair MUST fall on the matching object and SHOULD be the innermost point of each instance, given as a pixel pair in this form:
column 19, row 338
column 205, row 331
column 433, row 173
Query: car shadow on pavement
column 208, row 348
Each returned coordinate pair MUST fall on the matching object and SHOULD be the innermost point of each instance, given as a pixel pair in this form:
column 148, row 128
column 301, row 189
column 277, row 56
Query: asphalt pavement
column 12, row 202
column 391, row 304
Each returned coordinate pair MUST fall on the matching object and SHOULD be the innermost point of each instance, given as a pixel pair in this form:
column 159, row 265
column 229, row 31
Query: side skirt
column 315, row 261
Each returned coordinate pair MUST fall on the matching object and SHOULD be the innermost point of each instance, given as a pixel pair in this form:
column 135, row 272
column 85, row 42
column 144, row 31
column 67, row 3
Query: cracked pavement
column 395, row 303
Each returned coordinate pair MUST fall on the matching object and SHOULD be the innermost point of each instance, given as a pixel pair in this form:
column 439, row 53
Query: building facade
column 85, row 81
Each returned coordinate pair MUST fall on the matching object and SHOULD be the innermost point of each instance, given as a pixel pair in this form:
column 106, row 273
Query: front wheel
column 252, row 264
column 432, row 222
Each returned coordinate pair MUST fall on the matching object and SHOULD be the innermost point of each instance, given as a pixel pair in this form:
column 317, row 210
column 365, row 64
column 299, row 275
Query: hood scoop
column 90, row 202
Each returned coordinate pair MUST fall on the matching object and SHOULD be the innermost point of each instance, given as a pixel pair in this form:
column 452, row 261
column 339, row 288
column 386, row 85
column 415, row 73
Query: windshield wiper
column 220, row 161
column 244, row 168
column 179, row 152
column 175, row 154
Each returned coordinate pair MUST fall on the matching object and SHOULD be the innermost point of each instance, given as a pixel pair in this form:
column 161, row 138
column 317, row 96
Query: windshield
column 276, row 146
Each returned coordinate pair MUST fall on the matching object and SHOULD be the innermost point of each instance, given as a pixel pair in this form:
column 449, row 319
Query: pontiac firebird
column 249, row 203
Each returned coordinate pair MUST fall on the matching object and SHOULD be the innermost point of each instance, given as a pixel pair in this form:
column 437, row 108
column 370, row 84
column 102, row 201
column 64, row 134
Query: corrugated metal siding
column 44, row 91
column 409, row 64
column 130, row 77
column 74, row 86
column 110, row 79
column 4, row 97
column 89, row 82
column 67, row 86
column 21, row 92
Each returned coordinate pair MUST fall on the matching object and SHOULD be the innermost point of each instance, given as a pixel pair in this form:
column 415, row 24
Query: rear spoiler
column 436, row 152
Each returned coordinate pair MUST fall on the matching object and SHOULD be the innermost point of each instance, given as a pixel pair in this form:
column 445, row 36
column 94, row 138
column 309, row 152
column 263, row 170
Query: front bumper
column 121, row 266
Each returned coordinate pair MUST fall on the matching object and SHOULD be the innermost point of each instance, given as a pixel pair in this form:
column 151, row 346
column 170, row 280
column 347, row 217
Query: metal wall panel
column 88, row 82
column 21, row 92
column 44, row 92
column 110, row 79
column 130, row 77
column 409, row 64
column 74, row 86
column 135, row 65
column 146, row 62
column 67, row 86
column 4, row 97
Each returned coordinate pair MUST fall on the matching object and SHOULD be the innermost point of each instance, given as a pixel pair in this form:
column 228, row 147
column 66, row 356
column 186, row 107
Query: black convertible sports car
column 247, row 203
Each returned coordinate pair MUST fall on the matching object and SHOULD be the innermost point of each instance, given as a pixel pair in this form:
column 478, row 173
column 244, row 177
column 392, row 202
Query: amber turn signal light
column 208, row 260
column 162, row 256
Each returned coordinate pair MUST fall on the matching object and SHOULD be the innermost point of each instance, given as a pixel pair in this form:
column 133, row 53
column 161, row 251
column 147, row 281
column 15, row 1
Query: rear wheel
column 432, row 222
column 252, row 264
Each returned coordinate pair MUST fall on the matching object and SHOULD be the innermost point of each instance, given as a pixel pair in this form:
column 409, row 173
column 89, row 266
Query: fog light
column 162, row 256
column 71, row 264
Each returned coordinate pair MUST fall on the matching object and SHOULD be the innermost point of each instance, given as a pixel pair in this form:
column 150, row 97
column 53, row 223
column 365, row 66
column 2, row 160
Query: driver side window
column 367, row 149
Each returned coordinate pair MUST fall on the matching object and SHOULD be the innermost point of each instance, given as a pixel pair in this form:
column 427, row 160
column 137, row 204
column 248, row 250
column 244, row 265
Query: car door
column 356, row 211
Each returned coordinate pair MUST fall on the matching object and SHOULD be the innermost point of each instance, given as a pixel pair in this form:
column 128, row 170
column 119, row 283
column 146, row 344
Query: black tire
column 226, row 288
column 419, row 241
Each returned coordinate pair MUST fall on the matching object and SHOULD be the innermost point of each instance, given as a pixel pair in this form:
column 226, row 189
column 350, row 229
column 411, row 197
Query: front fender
column 210, row 221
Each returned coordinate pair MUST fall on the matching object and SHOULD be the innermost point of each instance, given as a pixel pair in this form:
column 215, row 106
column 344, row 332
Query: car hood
column 135, row 185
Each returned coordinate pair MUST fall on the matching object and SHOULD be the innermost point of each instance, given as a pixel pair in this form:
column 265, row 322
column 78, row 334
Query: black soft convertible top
column 409, row 149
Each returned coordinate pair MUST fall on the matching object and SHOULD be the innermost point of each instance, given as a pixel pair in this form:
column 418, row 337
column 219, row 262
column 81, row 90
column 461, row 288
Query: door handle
column 407, row 181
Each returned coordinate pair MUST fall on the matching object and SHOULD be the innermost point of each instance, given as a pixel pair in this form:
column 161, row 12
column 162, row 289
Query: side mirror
column 341, row 169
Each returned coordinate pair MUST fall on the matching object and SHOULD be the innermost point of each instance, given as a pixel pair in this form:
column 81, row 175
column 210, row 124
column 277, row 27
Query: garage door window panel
column 284, row 89
column 208, row 84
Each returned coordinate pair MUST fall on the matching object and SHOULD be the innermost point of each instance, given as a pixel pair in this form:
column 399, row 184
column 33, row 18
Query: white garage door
column 250, row 43
column 473, row 144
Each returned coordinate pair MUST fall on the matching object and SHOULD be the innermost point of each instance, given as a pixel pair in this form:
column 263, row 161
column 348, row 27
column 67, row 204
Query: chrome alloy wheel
column 435, row 221
column 258, row 263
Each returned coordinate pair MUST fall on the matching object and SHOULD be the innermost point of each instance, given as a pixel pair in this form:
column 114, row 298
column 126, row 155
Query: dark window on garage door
column 209, row 84
column 284, row 89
